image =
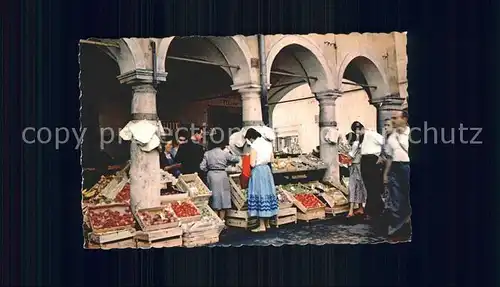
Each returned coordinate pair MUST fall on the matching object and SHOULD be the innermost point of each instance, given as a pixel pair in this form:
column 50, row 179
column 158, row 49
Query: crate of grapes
column 156, row 218
column 238, row 195
column 194, row 186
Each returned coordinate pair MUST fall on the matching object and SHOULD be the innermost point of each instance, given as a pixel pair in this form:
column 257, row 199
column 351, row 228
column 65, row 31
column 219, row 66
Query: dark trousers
column 372, row 175
column 398, row 207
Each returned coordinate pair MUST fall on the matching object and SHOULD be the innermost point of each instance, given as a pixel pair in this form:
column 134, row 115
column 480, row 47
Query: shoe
column 350, row 215
column 359, row 211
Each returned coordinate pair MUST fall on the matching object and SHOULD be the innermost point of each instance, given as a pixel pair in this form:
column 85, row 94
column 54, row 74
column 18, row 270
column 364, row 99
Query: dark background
column 452, row 79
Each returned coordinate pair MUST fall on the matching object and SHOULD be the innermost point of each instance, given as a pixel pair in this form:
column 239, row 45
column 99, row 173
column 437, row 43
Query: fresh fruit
column 158, row 217
column 184, row 209
column 109, row 218
column 309, row 200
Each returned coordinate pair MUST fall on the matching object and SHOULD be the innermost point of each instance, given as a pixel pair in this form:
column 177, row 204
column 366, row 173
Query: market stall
column 183, row 219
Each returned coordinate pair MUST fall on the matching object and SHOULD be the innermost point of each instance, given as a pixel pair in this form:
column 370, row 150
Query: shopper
column 371, row 171
column 214, row 163
column 262, row 199
column 189, row 155
column 397, row 177
column 357, row 190
column 388, row 129
column 175, row 147
column 167, row 161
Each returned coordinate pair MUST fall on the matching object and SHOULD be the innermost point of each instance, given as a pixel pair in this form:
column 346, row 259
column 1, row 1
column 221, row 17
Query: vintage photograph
column 245, row 140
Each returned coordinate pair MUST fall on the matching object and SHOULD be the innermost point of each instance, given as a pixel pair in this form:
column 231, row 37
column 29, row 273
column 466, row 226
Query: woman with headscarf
column 214, row 164
column 262, row 199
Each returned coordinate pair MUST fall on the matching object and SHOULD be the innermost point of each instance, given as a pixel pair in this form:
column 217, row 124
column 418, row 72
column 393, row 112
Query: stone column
column 328, row 151
column 385, row 108
column 250, row 103
column 144, row 166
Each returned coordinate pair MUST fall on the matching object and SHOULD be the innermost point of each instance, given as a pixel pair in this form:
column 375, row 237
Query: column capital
column 328, row 95
column 246, row 88
column 141, row 76
column 389, row 103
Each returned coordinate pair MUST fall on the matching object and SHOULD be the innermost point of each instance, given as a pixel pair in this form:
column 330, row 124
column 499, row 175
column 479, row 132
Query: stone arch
column 228, row 50
column 370, row 69
column 311, row 59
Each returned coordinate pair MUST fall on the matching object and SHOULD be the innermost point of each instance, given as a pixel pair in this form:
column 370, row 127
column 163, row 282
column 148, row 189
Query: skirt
column 218, row 183
column 357, row 190
column 262, row 199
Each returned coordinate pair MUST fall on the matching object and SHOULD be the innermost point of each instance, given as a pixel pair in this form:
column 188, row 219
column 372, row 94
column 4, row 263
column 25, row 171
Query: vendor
column 167, row 162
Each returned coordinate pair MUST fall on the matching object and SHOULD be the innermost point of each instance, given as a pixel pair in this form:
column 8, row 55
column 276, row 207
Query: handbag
column 246, row 171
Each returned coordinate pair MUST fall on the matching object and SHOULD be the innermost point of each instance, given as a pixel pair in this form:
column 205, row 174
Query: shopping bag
column 246, row 171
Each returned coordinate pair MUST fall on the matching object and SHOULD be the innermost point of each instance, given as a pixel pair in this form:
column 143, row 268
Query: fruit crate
column 148, row 228
column 237, row 196
column 171, row 237
column 336, row 202
column 240, row 218
column 285, row 216
column 183, row 184
column 188, row 218
column 284, row 205
column 336, row 210
column 300, row 206
column 164, row 199
column 111, row 236
column 196, row 239
column 118, row 244
column 112, row 207
column 115, row 186
column 317, row 213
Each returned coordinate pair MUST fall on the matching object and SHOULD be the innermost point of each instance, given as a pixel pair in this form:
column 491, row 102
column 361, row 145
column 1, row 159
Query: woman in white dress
column 357, row 190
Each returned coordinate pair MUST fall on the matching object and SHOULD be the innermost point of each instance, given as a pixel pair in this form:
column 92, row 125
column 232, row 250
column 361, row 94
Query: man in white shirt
column 371, row 171
column 397, row 178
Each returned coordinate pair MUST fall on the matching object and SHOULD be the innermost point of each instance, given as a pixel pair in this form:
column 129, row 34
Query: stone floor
column 329, row 231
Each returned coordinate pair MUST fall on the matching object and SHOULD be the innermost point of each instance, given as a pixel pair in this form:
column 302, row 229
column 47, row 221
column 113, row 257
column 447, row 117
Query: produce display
column 296, row 188
column 316, row 185
column 339, row 198
column 156, row 217
column 124, row 194
column 167, row 177
column 184, row 209
column 109, row 218
column 170, row 190
column 96, row 189
column 282, row 198
column 208, row 216
column 312, row 160
column 309, row 200
column 197, row 188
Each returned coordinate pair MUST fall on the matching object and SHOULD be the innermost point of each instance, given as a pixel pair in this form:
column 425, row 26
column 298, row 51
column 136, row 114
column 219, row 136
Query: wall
column 352, row 106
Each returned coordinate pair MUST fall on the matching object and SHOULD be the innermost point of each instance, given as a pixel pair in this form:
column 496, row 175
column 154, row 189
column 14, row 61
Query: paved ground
column 329, row 231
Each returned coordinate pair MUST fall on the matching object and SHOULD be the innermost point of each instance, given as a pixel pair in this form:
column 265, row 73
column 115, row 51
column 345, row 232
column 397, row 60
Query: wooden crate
column 300, row 206
column 336, row 210
column 317, row 213
column 285, row 216
column 114, row 187
column 156, row 235
column 114, row 207
column 238, row 198
column 240, row 218
column 200, row 241
column 148, row 228
column 121, row 244
column 182, row 184
column 164, row 243
column 190, row 218
column 112, row 236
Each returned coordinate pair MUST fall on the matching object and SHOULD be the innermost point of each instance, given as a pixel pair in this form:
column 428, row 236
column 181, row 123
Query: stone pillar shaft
column 144, row 166
column 251, row 105
column 327, row 117
column 385, row 109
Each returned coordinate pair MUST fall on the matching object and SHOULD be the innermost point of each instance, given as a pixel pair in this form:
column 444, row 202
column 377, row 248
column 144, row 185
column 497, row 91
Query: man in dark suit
column 190, row 154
